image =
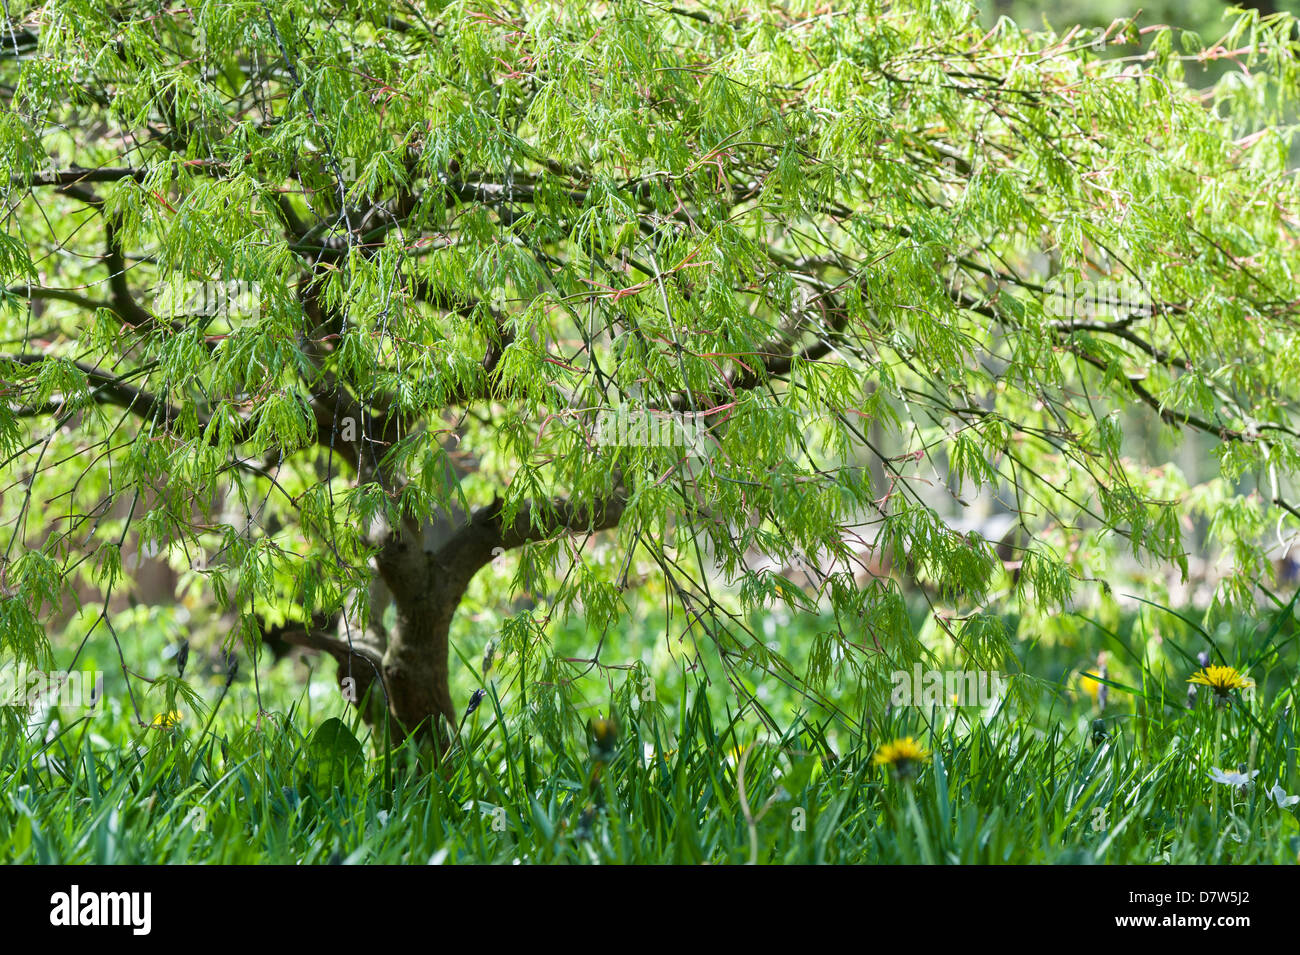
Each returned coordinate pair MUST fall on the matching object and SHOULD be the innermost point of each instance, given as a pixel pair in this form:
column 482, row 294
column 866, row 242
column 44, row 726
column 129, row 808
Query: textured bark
column 416, row 673
column 424, row 572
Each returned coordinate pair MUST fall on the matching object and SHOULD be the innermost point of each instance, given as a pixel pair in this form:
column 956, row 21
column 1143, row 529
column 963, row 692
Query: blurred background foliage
column 1199, row 16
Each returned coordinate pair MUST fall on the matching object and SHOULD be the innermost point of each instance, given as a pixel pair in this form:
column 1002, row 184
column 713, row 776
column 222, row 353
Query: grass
column 1045, row 778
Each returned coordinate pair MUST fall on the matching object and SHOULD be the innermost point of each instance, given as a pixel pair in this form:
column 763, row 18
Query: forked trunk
column 422, row 574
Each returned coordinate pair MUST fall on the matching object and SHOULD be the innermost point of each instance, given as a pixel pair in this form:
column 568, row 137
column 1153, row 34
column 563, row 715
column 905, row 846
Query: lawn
column 693, row 765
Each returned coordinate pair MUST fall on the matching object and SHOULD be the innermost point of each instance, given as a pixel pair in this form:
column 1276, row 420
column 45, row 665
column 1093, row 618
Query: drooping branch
column 127, row 308
column 72, row 177
column 105, row 389
column 488, row 530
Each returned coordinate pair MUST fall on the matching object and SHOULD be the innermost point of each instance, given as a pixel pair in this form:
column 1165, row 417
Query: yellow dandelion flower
column 735, row 753
column 901, row 755
column 603, row 735
column 604, row 732
column 1091, row 683
column 168, row 720
column 1222, row 680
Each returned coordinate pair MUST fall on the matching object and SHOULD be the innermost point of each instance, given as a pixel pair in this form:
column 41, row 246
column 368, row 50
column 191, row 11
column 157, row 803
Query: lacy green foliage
column 454, row 229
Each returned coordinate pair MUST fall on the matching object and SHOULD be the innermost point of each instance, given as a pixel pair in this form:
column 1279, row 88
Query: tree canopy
column 333, row 304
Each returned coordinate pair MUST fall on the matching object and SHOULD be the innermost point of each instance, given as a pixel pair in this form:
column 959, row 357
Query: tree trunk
column 416, row 674
column 424, row 573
